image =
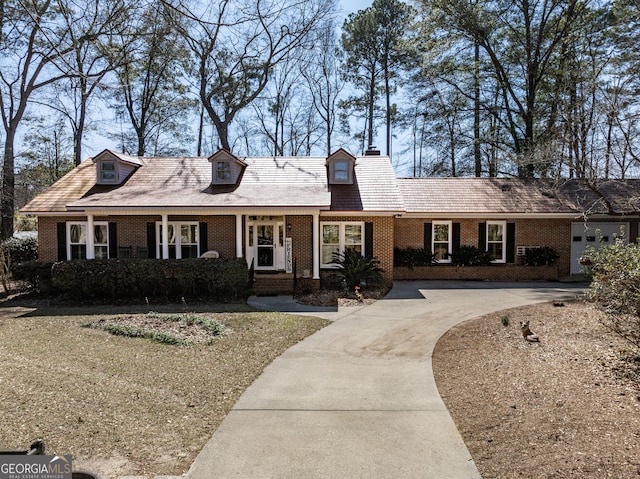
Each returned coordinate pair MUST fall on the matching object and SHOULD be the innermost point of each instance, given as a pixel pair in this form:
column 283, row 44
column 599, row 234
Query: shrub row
column 468, row 255
column 220, row 279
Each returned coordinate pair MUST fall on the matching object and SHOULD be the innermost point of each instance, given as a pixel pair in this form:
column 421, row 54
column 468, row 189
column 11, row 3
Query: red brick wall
column 556, row 233
column 301, row 234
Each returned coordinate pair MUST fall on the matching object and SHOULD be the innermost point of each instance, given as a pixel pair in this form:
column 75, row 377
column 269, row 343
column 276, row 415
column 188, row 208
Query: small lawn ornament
column 527, row 334
column 359, row 294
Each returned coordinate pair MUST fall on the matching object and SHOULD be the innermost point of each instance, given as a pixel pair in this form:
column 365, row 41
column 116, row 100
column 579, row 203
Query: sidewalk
column 358, row 398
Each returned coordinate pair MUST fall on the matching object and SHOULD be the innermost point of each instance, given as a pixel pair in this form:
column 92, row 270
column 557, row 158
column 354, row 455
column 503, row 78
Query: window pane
column 340, row 171
column 223, row 170
column 352, row 235
column 101, row 252
column 441, row 232
column 327, row 253
column 172, row 234
column 441, row 251
column 78, row 234
column 494, row 232
column 495, row 250
column 100, row 234
column 190, row 251
column 78, row 251
column 108, row 166
column 265, row 235
column 189, row 234
column 330, row 234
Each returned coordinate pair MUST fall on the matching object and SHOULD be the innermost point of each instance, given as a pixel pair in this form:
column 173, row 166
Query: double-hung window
column 108, row 172
column 77, row 240
column 183, row 240
column 223, row 171
column 337, row 237
column 496, row 239
column 441, row 241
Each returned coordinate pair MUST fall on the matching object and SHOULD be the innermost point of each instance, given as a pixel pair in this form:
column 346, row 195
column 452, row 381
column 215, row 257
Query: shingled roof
column 516, row 196
column 266, row 182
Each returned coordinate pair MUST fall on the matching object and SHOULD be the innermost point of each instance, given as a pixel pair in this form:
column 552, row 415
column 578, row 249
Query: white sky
column 350, row 6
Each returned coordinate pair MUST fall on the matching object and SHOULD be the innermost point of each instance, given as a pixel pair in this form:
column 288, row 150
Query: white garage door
column 592, row 235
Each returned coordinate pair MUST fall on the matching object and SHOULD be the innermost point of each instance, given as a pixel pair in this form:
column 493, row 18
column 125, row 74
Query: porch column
column 91, row 250
column 316, row 246
column 238, row 235
column 165, row 236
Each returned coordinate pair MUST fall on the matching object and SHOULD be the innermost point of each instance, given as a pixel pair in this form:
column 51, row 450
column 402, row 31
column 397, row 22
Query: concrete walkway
column 358, row 399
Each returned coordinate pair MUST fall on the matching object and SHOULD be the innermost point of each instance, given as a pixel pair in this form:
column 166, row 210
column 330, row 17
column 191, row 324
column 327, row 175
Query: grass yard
column 128, row 406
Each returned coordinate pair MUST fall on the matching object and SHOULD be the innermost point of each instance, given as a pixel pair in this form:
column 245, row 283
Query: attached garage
column 593, row 235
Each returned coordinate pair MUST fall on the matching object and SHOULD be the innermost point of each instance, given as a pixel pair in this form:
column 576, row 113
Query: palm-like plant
column 357, row 270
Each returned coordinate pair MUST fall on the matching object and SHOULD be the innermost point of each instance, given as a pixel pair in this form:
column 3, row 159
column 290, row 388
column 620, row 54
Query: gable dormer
column 340, row 166
column 113, row 168
column 225, row 168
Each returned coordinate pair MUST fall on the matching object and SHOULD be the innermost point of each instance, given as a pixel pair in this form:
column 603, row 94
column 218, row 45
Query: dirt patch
column 331, row 297
column 553, row 409
column 128, row 406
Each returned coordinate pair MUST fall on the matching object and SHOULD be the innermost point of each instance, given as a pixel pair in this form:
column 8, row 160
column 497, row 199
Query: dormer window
column 223, row 171
column 108, row 172
column 226, row 168
column 340, row 168
column 115, row 168
column 341, row 171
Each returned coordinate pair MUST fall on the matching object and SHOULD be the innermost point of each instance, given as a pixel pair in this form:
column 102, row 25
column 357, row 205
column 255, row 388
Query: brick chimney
column 372, row 151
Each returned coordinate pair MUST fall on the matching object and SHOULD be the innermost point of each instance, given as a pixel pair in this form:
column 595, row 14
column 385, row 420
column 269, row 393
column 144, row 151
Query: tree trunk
column 388, row 105
column 200, row 130
column 372, row 90
column 8, row 185
column 476, row 111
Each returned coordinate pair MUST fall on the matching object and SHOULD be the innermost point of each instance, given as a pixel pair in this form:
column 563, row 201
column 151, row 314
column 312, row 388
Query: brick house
column 288, row 215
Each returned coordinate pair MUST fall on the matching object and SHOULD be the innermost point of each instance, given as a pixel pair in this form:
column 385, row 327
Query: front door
column 265, row 245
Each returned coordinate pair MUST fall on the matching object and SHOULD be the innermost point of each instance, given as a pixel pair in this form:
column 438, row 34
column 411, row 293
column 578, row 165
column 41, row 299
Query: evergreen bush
column 470, row 256
column 544, row 256
column 615, row 285
column 221, row 279
column 411, row 257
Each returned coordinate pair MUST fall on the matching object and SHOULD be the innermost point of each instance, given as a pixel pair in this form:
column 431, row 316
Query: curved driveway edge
column 357, row 399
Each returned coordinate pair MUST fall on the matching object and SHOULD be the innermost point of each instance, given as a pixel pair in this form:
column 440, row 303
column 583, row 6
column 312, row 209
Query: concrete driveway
column 358, row 399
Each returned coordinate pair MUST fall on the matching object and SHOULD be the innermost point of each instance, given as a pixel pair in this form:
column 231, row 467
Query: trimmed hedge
column 222, row 279
column 37, row 274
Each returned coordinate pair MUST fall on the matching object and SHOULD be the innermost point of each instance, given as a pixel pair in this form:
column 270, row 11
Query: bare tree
column 236, row 45
column 325, row 84
column 35, row 52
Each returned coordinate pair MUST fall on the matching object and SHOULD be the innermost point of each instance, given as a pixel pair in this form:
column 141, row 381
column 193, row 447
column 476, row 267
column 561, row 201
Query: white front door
column 592, row 235
column 265, row 245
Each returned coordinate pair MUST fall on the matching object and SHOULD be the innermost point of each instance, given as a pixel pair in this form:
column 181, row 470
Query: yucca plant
column 357, row 270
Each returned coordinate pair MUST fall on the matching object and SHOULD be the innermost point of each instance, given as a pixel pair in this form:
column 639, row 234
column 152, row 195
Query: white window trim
column 101, row 178
column 342, row 225
column 349, row 170
column 449, row 239
column 504, row 240
column 95, row 244
column 178, row 244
